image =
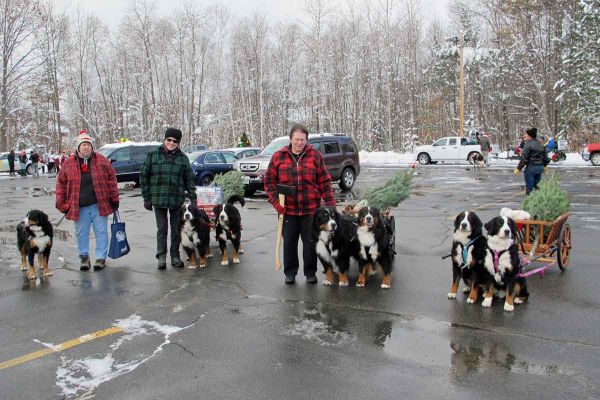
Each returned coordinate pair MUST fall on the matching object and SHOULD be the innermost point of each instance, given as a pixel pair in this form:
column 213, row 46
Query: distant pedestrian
column 35, row 159
column 11, row 162
column 534, row 159
column 23, row 164
column 486, row 147
column 166, row 178
column 51, row 164
column 87, row 192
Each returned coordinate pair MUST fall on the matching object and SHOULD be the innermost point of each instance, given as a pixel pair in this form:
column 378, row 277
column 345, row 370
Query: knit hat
column 532, row 132
column 83, row 138
column 173, row 133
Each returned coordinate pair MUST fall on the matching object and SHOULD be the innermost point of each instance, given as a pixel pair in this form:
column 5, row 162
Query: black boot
column 176, row 262
column 84, row 263
column 162, row 261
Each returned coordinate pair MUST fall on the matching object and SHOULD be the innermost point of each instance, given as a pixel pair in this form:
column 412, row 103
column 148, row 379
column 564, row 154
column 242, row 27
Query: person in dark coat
column 11, row 162
column 534, row 159
column 23, row 164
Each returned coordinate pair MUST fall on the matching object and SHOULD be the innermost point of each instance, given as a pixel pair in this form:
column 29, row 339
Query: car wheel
column 471, row 157
column 347, row 179
column 249, row 192
column 29, row 170
column 206, row 180
column 595, row 158
column 424, row 159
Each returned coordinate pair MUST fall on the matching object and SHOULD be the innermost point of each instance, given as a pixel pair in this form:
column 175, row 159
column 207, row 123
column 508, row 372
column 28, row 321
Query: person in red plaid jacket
column 300, row 165
column 87, row 192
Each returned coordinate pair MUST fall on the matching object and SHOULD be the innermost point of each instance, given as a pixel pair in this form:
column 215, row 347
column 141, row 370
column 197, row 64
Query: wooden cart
column 546, row 242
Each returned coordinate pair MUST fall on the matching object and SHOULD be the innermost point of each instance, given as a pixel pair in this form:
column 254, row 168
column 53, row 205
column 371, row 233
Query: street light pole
column 461, row 129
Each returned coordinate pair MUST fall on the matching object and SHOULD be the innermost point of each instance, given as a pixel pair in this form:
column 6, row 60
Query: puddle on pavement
column 35, row 191
column 313, row 324
column 59, row 234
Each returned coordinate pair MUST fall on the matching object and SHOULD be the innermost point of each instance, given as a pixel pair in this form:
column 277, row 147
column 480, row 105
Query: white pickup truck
column 450, row 148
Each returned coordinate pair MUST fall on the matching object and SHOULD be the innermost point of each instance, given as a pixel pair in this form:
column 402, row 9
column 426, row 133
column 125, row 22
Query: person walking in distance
column 87, row 192
column 35, row 159
column 300, row 165
column 534, row 159
column 11, row 162
column 166, row 178
column 486, row 147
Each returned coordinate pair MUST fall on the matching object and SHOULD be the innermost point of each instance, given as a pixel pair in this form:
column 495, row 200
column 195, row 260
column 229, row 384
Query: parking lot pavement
column 239, row 332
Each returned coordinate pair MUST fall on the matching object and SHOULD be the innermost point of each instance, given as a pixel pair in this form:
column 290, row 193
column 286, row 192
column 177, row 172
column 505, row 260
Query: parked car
column 207, row 164
column 243, row 152
column 5, row 168
column 128, row 158
column 194, row 147
column 339, row 151
column 4, row 162
column 450, row 148
column 591, row 152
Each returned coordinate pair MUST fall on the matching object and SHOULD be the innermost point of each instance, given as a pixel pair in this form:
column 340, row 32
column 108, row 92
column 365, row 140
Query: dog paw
column 242, row 251
column 191, row 266
column 236, row 260
column 519, row 300
column 470, row 301
column 224, row 263
column 49, row 273
column 209, row 255
column 509, row 307
column 385, row 286
column 31, row 277
column 23, row 268
column 360, row 284
column 327, row 282
column 487, row 302
column 466, row 289
column 343, row 284
column 451, row 295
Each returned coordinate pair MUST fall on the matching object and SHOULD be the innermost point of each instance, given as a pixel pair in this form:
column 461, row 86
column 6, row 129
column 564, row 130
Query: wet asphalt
column 238, row 332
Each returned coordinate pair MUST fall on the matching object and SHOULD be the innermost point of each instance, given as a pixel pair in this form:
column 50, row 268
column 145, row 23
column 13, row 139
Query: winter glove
column 545, row 170
column 516, row 171
column 148, row 205
column 279, row 208
column 115, row 205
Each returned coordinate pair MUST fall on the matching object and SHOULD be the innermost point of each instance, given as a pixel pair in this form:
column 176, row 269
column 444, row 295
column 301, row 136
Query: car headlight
column 195, row 163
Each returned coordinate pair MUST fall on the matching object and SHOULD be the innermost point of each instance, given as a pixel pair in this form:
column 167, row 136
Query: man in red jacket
column 299, row 164
column 87, row 192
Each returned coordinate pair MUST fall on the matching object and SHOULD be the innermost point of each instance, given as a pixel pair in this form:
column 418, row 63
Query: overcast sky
column 111, row 11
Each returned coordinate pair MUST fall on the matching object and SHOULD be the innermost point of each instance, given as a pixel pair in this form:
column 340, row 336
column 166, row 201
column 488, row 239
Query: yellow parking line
column 60, row 347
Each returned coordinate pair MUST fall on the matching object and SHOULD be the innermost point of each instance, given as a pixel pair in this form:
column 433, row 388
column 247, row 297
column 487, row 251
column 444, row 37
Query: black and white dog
column 469, row 247
column 34, row 236
column 195, row 234
column 376, row 247
column 229, row 226
column 336, row 241
column 503, row 264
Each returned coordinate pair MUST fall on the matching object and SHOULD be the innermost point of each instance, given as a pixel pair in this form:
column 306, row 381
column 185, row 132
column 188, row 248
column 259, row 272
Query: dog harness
column 465, row 251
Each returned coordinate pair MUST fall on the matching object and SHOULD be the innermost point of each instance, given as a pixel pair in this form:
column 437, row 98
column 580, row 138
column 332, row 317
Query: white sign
column 562, row 144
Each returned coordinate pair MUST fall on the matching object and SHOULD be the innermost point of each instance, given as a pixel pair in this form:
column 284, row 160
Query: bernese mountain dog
column 195, row 234
column 469, row 247
column 336, row 241
column 228, row 225
column 34, row 236
column 376, row 239
column 503, row 264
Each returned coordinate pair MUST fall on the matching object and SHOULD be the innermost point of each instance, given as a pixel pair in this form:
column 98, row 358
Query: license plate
column 245, row 180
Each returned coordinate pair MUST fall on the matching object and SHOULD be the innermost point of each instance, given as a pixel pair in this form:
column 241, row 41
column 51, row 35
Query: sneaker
column 176, row 262
column 311, row 279
column 162, row 262
column 99, row 264
column 84, row 263
column 290, row 280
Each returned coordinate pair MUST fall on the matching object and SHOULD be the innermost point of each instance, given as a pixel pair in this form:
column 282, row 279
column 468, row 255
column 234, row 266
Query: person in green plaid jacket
column 165, row 178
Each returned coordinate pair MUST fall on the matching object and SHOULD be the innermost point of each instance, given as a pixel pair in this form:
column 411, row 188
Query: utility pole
column 460, row 41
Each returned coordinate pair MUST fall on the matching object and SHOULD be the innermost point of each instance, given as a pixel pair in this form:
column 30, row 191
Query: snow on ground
column 383, row 158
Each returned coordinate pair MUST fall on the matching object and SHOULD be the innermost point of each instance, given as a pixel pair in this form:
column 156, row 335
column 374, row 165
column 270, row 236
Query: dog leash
column 60, row 220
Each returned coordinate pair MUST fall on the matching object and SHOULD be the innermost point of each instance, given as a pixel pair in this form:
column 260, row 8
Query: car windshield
column 274, row 146
column 106, row 151
column 193, row 156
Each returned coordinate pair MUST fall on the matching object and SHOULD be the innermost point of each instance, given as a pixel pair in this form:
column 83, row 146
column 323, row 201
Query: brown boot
column 84, row 263
column 99, row 264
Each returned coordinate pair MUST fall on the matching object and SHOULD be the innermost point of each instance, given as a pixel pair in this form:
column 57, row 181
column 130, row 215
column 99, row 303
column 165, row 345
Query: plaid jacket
column 308, row 175
column 165, row 179
column 68, row 185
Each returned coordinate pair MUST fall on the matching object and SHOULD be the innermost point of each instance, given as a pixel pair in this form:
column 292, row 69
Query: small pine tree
column 230, row 183
column 392, row 192
column 548, row 202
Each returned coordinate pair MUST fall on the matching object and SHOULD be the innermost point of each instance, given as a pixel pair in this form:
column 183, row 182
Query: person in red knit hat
column 87, row 192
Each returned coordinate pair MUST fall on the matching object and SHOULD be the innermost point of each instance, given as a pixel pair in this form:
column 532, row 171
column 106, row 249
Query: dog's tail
column 236, row 198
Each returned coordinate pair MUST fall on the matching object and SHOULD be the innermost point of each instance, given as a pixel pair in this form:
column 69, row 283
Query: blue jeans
column 89, row 216
column 532, row 175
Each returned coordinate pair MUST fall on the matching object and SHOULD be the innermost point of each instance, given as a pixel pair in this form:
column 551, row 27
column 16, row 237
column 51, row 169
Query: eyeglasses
column 171, row 140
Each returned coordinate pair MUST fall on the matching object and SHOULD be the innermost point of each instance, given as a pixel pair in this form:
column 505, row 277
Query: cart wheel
column 564, row 247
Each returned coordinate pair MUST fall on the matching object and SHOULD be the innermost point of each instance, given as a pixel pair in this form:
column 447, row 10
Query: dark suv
column 339, row 153
column 127, row 158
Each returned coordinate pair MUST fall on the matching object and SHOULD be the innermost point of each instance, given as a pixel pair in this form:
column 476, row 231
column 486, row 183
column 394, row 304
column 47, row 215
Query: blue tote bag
column 118, row 238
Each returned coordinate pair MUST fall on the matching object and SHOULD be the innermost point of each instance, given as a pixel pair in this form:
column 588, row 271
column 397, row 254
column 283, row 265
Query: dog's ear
column 458, row 219
column 217, row 209
column 513, row 227
column 476, row 224
column 43, row 219
column 489, row 225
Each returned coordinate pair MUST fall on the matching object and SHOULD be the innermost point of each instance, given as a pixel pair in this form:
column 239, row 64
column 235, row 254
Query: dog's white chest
column 189, row 237
column 504, row 265
column 367, row 240
column 324, row 248
column 40, row 240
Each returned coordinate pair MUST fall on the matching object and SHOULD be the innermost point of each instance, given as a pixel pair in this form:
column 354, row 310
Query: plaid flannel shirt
column 166, row 179
column 309, row 175
column 68, row 186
